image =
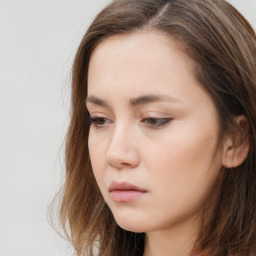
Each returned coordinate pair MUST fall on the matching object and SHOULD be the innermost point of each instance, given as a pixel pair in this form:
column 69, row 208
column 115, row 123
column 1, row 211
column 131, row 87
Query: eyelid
column 153, row 120
column 98, row 115
column 156, row 114
column 95, row 122
column 94, row 119
column 156, row 122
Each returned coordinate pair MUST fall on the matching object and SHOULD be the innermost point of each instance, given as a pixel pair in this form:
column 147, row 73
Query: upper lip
column 124, row 186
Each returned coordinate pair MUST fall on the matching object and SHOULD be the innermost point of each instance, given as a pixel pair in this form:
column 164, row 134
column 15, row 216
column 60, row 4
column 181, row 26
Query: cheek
column 179, row 154
column 187, row 144
column 181, row 178
column 183, row 165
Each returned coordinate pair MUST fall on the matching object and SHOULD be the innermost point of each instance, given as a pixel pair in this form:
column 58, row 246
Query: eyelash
column 95, row 121
column 150, row 121
column 157, row 122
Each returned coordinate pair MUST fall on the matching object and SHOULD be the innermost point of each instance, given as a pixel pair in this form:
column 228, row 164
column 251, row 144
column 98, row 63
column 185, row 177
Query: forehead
column 136, row 58
column 141, row 41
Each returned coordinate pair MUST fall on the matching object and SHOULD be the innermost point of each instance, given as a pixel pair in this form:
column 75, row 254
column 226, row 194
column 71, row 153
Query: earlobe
column 237, row 145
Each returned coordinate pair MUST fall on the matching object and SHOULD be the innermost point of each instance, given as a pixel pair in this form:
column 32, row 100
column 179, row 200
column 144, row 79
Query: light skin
column 155, row 127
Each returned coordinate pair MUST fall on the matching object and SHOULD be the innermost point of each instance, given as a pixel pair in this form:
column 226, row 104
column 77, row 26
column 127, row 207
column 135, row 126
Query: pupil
column 101, row 121
column 153, row 121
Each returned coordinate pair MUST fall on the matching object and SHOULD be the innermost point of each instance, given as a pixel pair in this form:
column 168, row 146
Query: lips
column 125, row 192
column 124, row 186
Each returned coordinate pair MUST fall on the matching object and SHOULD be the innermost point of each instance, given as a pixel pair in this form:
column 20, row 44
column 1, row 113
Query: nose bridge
column 122, row 149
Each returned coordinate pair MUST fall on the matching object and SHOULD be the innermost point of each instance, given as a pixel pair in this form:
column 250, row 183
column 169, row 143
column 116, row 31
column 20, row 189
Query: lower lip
column 126, row 195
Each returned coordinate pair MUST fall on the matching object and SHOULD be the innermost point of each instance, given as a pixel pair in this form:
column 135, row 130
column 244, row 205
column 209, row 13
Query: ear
column 236, row 145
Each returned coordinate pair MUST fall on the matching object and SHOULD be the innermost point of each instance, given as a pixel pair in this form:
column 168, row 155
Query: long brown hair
column 222, row 45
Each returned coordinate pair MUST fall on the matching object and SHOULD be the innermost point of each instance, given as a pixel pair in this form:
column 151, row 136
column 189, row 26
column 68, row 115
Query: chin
column 132, row 224
column 132, row 228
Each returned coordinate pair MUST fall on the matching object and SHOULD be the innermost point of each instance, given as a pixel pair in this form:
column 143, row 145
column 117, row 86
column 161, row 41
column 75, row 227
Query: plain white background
column 38, row 40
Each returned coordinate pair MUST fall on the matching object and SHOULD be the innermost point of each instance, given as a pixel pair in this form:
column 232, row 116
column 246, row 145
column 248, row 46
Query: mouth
column 125, row 192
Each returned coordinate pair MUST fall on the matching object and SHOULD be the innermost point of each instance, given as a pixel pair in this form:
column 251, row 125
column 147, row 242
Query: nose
column 122, row 151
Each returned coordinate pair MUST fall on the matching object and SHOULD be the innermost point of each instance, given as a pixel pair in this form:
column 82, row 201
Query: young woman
column 161, row 147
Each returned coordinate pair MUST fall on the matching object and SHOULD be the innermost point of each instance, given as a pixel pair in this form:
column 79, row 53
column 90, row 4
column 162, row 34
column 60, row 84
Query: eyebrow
column 145, row 99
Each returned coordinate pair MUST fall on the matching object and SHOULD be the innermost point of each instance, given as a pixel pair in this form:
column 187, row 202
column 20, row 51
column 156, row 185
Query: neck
column 176, row 241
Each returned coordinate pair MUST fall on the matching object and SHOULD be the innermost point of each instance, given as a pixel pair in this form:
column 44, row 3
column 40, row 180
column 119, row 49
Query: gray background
column 38, row 40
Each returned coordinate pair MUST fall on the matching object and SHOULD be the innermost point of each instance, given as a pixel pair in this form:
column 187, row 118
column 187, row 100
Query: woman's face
column 154, row 132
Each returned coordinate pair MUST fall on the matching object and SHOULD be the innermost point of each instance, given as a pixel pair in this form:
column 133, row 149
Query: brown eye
column 156, row 122
column 99, row 122
column 153, row 121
